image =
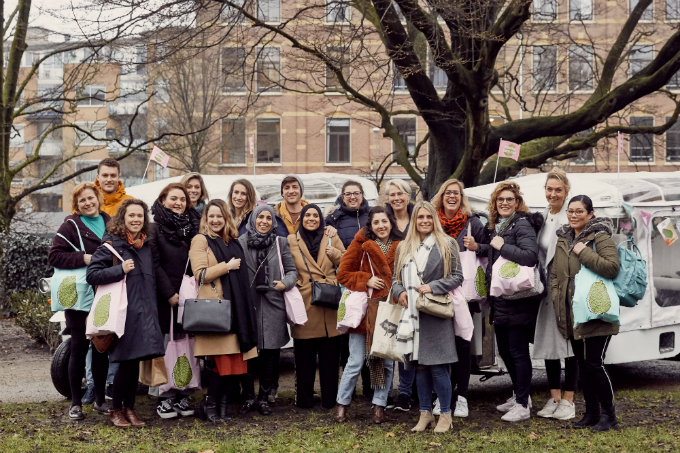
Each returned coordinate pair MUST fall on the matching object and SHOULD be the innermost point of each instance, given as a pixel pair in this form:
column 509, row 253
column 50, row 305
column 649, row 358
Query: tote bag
column 385, row 335
column 109, row 310
column 474, row 276
column 70, row 290
column 462, row 319
column 508, row 278
column 152, row 372
column 296, row 312
column 631, row 283
column 181, row 366
column 353, row 305
column 187, row 290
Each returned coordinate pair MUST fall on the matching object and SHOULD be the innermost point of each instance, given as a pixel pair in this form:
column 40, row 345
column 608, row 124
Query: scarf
column 408, row 332
column 594, row 225
column 454, row 226
column 385, row 247
column 503, row 221
column 136, row 243
column 235, row 289
column 262, row 244
column 176, row 228
column 312, row 239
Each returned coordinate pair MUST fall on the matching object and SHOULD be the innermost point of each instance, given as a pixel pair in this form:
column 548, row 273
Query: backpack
column 631, row 283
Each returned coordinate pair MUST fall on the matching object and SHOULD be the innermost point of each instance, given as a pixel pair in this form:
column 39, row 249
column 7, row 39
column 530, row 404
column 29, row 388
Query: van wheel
column 59, row 368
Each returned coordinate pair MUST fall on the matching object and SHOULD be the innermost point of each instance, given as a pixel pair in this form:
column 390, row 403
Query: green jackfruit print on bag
column 69, row 287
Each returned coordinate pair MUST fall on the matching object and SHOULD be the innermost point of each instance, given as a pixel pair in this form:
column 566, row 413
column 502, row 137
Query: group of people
column 251, row 254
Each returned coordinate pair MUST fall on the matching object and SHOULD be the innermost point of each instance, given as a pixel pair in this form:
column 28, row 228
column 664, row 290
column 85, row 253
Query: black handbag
column 207, row 315
column 323, row 294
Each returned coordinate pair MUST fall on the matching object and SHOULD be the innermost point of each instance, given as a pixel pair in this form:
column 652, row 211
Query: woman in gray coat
column 267, row 286
column 427, row 262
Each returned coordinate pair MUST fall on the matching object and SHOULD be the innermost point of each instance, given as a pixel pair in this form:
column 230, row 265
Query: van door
column 665, row 271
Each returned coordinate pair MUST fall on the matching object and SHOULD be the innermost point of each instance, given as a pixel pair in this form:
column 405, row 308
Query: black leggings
column 75, row 320
column 553, row 369
column 125, row 384
column 460, row 370
column 595, row 382
column 221, row 385
column 266, row 367
column 513, row 347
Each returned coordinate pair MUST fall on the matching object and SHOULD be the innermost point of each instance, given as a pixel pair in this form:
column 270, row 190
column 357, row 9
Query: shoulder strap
column 278, row 250
column 82, row 247
column 109, row 245
column 69, row 242
column 303, row 259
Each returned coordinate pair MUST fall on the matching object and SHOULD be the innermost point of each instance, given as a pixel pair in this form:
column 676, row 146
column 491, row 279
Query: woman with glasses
column 513, row 236
column 351, row 212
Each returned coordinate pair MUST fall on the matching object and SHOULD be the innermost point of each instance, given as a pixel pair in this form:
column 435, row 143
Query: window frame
column 161, row 90
column 268, row 119
column 535, row 81
column 345, row 67
column 676, row 132
column 396, row 76
column 157, row 130
column 239, row 19
column 276, row 89
column 89, row 141
column 278, row 19
column 677, row 12
column 588, row 52
column 89, row 97
column 649, row 10
column 631, row 54
column 243, row 88
column 17, row 131
column 223, row 145
column 636, row 138
column 347, row 13
column 329, row 134
column 432, row 70
column 415, row 130
column 534, row 19
column 573, row 17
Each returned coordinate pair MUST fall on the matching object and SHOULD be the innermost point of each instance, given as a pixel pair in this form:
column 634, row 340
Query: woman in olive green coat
column 591, row 339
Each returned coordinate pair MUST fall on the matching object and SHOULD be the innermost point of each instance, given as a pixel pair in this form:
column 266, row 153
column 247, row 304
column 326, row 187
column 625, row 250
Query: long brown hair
column 250, row 203
column 493, row 210
column 229, row 231
column 117, row 224
column 204, row 192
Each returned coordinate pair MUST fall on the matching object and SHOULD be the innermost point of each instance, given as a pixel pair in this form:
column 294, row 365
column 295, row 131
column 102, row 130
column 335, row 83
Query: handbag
column 631, row 283
column 439, row 305
column 207, row 315
column 353, row 305
column 152, row 372
column 323, row 294
column 535, row 294
column 180, row 363
column 371, row 316
column 384, row 342
column 474, row 276
column 296, row 312
column 109, row 309
column 70, row 290
column 186, row 291
column 463, row 325
column 508, row 278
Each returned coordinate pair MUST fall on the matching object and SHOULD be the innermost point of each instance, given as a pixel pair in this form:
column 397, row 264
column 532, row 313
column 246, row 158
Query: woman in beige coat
column 311, row 248
column 217, row 254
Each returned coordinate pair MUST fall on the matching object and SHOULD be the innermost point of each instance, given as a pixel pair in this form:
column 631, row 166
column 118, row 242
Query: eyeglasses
column 450, row 193
column 502, row 200
column 578, row 212
column 351, row 194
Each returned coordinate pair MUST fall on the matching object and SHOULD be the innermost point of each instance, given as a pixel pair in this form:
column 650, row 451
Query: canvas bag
column 385, row 335
column 631, row 283
column 152, row 372
column 511, row 279
column 70, row 290
column 187, row 290
column 296, row 312
column 474, row 276
column 353, row 305
column 182, row 369
column 462, row 318
column 110, row 300
column 594, row 297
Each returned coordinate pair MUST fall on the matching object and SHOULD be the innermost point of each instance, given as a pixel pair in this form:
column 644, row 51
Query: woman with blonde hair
column 242, row 200
column 513, row 236
column 427, row 261
column 198, row 194
column 399, row 204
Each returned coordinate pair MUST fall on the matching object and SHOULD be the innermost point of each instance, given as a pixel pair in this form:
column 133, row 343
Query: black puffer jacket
column 348, row 221
column 521, row 247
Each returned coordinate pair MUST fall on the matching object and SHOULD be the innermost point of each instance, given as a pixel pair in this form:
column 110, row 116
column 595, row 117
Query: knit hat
column 299, row 180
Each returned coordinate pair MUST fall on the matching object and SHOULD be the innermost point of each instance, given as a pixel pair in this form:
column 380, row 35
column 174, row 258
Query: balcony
column 126, row 108
column 115, row 148
column 48, row 147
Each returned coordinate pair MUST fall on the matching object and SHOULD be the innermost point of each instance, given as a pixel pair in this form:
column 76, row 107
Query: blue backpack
column 631, row 283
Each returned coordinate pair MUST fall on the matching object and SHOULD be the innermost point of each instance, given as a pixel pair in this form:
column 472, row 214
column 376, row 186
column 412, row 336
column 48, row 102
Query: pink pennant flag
column 251, row 144
column 646, row 217
column 160, row 157
column 619, row 139
column 508, row 149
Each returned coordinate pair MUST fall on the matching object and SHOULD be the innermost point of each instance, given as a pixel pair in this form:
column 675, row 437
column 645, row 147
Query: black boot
column 208, row 410
column 223, row 408
column 607, row 419
column 591, row 417
column 262, row 406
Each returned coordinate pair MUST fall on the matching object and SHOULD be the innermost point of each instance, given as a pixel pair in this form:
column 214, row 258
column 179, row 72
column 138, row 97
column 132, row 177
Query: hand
column 578, row 247
column 234, row 264
column 403, row 299
column 87, row 259
column 497, row 242
column 470, row 243
column 330, row 231
column 424, row 289
column 376, row 283
column 279, row 285
column 128, row 265
column 174, row 300
column 329, row 250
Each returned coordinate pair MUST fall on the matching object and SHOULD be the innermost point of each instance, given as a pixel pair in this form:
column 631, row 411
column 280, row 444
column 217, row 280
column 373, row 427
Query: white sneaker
column 565, row 410
column 508, row 405
column 517, row 414
column 461, row 408
column 549, row 409
column 436, row 410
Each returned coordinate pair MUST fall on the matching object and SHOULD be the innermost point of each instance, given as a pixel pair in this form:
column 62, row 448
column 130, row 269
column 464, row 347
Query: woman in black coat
column 513, row 236
column 351, row 214
column 128, row 234
column 87, row 224
column 175, row 226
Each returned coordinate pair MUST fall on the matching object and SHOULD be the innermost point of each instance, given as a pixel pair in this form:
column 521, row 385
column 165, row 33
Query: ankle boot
column 426, row 420
column 378, row 414
column 340, row 413
column 209, row 410
column 607, row 419
column 444, row 423
column 223, row 408
column 590, row 418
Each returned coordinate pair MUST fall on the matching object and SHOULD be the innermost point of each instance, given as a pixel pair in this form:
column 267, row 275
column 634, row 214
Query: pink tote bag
column 296, row 313
column 187, row 290
column 508, row 278
column 353, row 305
column 462, row 319
column 181, row 365
column 474, row 276
column 109, row 309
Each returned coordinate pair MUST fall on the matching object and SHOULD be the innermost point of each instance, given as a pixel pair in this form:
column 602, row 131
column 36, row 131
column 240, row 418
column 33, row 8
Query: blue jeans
column 437, row 377
column 350, row 375
column 113, row 367
column 406, row 378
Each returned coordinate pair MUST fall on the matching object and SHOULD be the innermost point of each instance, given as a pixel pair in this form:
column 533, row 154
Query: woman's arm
column 339, row 249
column 101, row 270
column 198, row 255
column 288, row 263
column 350, row 274
column 604, row 262
column 163, row 285
column 525, row 251
column 451, row 281
column 61, row 254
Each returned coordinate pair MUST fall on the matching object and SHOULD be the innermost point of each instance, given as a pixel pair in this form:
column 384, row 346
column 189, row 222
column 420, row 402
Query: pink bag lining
column 296, row 312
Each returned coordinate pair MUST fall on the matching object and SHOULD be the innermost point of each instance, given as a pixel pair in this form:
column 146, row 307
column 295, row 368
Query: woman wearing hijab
column 267, row 286
column 312, row 249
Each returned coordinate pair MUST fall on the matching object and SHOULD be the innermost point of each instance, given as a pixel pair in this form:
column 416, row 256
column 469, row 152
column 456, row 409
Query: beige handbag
column 439, row 305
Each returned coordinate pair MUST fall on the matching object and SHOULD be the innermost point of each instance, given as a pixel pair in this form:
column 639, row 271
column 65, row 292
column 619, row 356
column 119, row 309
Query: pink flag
column 646, row 217
column 160, row 157
column 508, row 149
column 619, row 139
column 251, row 144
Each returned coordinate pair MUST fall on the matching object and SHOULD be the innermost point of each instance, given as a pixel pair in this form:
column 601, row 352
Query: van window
column 666, row 266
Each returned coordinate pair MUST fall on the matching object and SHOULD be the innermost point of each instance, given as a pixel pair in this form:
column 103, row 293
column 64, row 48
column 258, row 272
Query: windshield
column 669, row 187
column 314, row 190
column 636, row 190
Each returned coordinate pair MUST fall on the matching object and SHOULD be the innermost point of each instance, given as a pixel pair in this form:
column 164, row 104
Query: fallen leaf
column 206, row 451
column 435, row 444
column 589, row 444
column 389, row 435
column 533, row 436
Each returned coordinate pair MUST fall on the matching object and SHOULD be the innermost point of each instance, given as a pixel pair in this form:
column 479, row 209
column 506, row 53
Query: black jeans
column 553, row 369
column 460, row 370
column 266, row 367
column 513, row 347
column 75, row 320
column 125, row 385
column 595, row 382
column 306, row 352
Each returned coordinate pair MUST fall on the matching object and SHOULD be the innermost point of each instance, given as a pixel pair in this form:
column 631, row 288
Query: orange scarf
column 136, row 243
column 454, row 226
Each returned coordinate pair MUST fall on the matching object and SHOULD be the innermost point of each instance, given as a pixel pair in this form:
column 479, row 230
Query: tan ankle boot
column 444, row 423
column 426, row 419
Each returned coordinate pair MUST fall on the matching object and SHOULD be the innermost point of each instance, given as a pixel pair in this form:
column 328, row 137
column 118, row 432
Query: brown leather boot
column 378, row 414
column 340, row 413
column 132, row 417
column 117, row 419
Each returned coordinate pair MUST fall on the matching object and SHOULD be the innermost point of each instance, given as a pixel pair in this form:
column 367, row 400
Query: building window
column 340, row 57
column 269, row 10
column 87, row 176
column 234, row 141
column 132, row 60
column 92, row 96
column 647, row 14
column 673, row 142
column 132, row 91
column 674, row 82
column 45, row 202
column 545, row 68
column 49, row 131
column 580, row 68
column 438, row 76
column 96, row 129
column 162, row 96
column 398, row 81
column 268, row 69
column 337, row 140
column 642, row 145
column 52, row 67
column 160, row 128
column 407, row 131
column 48, row 163
column 132, row 168
column 545, row 10
column 16, row 137
column 585, row 156
column 161, row 52
column 233, row 15
column 233, row 69
column 672, row 9
column 581, row 10
column 337, row 11
column 160, row 173
column 269, row 141
column 639, row 58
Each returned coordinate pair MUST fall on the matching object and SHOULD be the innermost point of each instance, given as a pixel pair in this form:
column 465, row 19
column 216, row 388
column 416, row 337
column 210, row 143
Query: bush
column 33, row 314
